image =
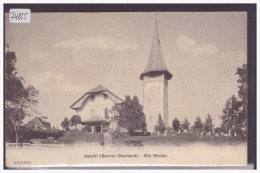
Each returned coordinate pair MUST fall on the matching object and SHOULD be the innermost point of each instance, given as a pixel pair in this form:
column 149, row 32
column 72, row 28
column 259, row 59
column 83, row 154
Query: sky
column 64, row 55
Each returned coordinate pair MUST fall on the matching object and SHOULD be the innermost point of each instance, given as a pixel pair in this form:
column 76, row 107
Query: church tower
column 155, row 85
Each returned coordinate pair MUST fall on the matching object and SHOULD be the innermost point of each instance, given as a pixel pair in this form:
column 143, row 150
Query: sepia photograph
column 151, row 88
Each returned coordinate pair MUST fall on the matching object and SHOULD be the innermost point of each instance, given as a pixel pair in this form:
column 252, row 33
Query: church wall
column 166, row 116
column 154, row 100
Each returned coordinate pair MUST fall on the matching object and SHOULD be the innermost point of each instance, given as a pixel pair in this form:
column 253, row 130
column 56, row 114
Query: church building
column 94, row 108
column 155, row 85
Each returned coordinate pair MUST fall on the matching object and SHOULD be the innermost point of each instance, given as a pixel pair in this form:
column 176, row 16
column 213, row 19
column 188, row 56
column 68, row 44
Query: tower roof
column 156, row 64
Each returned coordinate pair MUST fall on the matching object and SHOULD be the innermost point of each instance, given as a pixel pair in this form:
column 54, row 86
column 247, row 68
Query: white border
column 123, row 2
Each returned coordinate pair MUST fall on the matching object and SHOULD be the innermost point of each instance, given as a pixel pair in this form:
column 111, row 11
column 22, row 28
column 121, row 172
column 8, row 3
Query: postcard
column 151, row 88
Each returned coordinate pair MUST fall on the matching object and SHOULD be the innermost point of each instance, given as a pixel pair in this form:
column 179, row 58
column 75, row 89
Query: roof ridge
column 113, row 94
column 99, row 89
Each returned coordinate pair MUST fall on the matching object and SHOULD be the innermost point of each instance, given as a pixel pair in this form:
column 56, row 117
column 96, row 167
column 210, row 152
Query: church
column 94, row 106
column 155, row 85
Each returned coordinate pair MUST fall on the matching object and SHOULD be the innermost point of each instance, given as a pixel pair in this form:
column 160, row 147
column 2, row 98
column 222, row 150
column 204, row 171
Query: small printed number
column 22, row 162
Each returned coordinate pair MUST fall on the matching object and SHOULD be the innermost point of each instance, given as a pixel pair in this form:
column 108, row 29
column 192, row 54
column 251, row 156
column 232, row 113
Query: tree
column 198, row 125
column 75, row 120
column 130, row 115
column 65, row 124
column 230, row 115
column 160, row 126
column 185, row 125
column 116, row 133
column 243, row 96
column 235, row 112
column 115, row 130
column 20, row 99
column 217, row 130
column 176, row 125
column 144, row 125
column 208, row 125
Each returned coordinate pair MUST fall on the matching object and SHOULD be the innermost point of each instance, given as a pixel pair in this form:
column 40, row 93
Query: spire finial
column 156, row 64
column 156, row 23
column 156, row 31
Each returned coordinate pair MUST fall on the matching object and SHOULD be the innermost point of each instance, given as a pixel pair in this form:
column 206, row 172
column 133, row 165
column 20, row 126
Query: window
column 105, row 96
column 93, row 98
column 106, row 113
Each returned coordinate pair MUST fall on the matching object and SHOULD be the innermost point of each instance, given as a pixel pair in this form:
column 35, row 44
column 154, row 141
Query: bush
column 140, row 133
column 40, row 134
column 81, row 137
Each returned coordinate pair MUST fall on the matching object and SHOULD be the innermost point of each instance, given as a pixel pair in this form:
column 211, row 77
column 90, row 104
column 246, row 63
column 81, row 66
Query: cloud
column 190, row 45
column 38, row 55
column 100, row 42
column 53, row 81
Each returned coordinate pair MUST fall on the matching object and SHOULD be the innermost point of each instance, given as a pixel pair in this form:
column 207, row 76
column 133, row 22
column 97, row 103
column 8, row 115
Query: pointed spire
column 156, row 64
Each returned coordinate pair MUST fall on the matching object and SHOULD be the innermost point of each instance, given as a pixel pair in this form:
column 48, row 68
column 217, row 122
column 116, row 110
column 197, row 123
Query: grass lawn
column 155, row 140
column 181, row 139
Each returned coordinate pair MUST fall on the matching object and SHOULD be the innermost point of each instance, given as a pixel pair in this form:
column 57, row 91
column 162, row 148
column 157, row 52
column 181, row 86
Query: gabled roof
column 156, row 64
column 39, row 123
column 95, row 118
column 79, row 104
column 99, row 88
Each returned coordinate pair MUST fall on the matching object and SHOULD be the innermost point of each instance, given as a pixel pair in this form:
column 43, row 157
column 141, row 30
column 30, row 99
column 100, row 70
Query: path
column 108, row 139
